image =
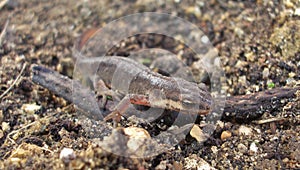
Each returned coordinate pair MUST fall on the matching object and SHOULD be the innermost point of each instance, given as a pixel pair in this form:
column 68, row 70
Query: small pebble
column 214, row 149
column 67, row 154
column 253, row 148
column 198, row 134
column 5, row 126
column 242, row 148
column 225, row 135
column 292, row 74
column 136, row 139
column 240, row 64
column 266, row 73
column 243, row 130
column 195, row 162
column 275, row 138
column 204, row 39
column 239, row 32
column 243, row 80
column 30, row 108
column 290, row 81
column 135, row 132
column 250, row 56
column 194, row 10
column 220, row 124
column 162, row 165
column 257, row 130
column 285, row 160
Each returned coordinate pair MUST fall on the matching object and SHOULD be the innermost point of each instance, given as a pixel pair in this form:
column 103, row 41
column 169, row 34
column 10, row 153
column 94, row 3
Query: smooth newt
column 141, row 86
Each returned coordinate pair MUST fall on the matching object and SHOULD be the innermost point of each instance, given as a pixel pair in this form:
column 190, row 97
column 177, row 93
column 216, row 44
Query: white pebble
column 5, row 126
column 204, row 39
column 265, row 73
column 214, row 149
column 67, row 154
column 253, row 147
column 30, row 108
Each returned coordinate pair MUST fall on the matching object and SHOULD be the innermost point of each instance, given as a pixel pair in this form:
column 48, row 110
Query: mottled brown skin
column 144, row 87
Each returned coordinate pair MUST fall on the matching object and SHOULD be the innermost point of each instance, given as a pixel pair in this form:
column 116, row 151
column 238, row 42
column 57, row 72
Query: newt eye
column 188, row 104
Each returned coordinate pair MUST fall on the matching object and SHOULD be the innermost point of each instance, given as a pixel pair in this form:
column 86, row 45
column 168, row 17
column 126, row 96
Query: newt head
column 182, row 96
column 194, row 99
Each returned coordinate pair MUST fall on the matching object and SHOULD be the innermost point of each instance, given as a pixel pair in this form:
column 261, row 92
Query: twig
column 245, row 108
column 18, row 148
column 70, row 90
column 2, row 35
column 26, row 126
column 274, row 119
column 16, row 80
column 7, row 153
column 16, row 151
column 15, row 131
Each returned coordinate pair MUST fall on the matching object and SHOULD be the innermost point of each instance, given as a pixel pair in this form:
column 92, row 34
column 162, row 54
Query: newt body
column 142, row 86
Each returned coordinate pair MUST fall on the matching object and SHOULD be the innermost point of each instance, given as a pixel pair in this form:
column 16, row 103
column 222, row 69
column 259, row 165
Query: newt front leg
column 124, row 104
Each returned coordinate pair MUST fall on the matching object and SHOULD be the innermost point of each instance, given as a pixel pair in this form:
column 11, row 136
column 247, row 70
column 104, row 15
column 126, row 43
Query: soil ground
column 259, row 45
